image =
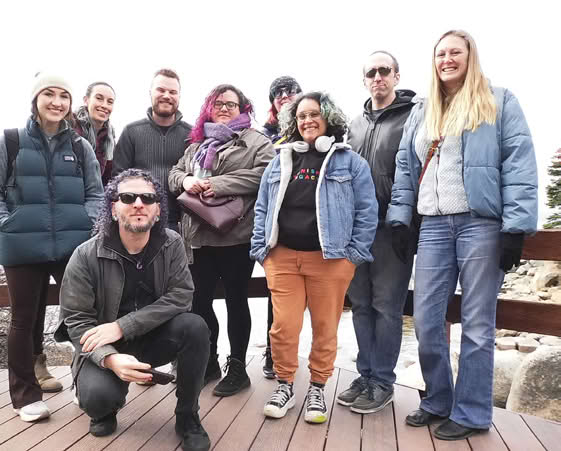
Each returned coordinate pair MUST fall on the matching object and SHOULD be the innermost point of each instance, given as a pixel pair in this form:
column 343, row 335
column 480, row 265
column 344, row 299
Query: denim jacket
column 499, row 169
column 346, row 206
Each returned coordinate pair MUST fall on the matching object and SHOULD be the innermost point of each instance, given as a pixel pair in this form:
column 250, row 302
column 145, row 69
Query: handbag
column 219, row 213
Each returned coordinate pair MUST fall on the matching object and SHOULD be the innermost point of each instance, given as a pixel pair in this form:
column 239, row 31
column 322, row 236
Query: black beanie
column 281, row 82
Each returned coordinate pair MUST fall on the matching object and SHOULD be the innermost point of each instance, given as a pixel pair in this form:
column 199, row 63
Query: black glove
column 511, row 250
column 400, row 241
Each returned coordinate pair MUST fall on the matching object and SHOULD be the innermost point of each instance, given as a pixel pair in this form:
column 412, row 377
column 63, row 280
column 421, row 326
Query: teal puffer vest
column 45, row 196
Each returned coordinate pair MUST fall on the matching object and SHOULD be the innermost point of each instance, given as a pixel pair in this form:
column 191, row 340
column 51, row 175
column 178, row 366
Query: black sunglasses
column 383, row 71
column 288, row 90
column 130, row 198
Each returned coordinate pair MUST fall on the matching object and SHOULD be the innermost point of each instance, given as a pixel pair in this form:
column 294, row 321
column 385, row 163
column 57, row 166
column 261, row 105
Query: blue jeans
column 378, row 292
column 469, row 248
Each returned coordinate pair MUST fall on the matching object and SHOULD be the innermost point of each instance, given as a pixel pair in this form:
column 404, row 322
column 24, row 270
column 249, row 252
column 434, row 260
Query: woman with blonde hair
column 467, row 164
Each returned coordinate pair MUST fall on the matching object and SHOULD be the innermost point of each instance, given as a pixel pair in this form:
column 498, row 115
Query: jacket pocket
column 340, row 205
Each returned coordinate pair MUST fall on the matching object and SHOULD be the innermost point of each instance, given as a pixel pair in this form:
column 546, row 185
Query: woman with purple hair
column 226, row 158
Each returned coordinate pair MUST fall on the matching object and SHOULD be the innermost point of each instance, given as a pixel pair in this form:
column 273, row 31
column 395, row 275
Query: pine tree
column 554, row 192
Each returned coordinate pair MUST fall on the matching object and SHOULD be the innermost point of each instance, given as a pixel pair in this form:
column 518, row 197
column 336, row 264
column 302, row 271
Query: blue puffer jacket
column 346, row 206
column 499, row 169
column 50, row 200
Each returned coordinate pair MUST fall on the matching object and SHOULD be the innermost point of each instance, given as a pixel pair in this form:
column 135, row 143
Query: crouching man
column 124, row 300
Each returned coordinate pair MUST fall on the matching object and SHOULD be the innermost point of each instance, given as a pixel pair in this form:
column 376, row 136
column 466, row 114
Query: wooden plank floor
column 237, row 423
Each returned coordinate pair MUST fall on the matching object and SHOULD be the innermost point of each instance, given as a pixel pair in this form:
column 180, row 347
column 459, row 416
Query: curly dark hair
column 105, row 217
column 336, row 120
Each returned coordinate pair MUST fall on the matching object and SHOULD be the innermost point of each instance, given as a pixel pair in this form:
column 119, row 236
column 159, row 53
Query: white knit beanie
column 44, row 80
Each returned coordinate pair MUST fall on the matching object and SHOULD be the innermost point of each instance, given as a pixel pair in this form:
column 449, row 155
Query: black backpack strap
column 12, row 147
column 78, row 149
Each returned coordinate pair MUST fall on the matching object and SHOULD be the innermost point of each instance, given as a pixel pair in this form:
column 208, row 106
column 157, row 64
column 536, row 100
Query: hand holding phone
column 158, row 377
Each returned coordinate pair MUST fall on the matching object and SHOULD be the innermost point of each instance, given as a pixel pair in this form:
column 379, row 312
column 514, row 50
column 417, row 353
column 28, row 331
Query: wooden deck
column 237, row 423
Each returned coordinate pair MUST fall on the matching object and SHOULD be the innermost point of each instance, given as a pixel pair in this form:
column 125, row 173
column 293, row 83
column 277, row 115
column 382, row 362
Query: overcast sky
column 249, row 43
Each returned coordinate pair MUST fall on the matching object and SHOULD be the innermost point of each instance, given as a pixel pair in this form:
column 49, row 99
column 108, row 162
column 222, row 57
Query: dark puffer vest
column 45, row 196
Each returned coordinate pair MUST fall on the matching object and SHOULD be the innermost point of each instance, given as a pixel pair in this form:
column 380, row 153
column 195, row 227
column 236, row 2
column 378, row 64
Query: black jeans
column 231, row 265
column 185, row 337
column 28, row 286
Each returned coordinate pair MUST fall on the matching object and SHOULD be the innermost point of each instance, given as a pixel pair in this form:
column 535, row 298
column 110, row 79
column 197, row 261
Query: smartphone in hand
column 158, row 377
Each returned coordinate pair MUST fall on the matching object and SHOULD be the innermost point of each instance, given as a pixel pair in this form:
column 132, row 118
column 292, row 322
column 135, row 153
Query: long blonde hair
column 471, row 105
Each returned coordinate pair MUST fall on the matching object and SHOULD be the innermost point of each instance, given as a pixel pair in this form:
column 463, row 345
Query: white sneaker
column 281, row 400
column 316, row 409
column 34, row 412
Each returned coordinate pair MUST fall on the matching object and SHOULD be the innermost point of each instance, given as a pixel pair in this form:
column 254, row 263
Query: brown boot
column 46, row 380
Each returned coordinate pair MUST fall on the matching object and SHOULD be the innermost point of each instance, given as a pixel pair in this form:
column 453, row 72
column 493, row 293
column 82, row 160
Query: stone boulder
column 536, row 386
column 548, row 275
column 506, row 364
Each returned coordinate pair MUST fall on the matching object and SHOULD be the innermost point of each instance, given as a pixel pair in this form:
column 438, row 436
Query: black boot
column 268, row 370
column 235, row 381
column 194, row 435
column 213, row 371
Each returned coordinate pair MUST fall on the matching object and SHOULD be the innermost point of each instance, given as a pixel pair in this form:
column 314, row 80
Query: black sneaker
column 213, row 371
column 268, row 371
column 235, row 380
column 373, row 399
column 347, row 397
column 103, row 426
column 281, row 400
column 316, row 409
column 194, row 435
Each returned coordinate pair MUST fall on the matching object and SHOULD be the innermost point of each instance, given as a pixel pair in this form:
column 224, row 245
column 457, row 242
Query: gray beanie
column 285, row 82
column 44, row 80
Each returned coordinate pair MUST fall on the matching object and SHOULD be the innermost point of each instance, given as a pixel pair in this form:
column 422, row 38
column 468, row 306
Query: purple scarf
column 216, row 135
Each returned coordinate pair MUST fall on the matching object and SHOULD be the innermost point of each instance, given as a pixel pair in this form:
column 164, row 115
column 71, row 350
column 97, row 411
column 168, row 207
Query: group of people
column 328, row 209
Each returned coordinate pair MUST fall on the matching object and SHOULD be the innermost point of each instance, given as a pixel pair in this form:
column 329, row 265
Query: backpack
column 12, row 149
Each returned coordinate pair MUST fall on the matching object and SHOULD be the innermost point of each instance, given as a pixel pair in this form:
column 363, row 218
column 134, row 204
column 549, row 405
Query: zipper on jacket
column 48, row 155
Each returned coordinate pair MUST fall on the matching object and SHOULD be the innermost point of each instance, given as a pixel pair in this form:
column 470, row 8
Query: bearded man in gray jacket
column 125, row 300
column 157, row 142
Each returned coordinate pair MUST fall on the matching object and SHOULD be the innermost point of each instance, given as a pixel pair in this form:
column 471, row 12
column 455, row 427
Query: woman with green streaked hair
column 315, row 220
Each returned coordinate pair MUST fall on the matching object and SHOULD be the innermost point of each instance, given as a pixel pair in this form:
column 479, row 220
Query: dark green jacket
column 50, row 200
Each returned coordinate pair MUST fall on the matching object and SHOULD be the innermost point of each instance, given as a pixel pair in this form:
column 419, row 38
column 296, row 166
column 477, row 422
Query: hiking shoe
column 268, row 370
column 33, row 412
column 373, row 399
column 450, row 430
column 103, row 426
column 316, row 410
column 347, row 397
column 47, row 382
column 235, row 380
column 280, row 401
column 212, row 371
column 194, row 435
column 173, row 371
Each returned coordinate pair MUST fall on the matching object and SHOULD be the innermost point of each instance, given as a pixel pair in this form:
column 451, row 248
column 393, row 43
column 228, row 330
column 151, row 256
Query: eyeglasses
column 229, row 105
column 130, row 198
column 383, row 71
column 301, row 117
column 286, row 90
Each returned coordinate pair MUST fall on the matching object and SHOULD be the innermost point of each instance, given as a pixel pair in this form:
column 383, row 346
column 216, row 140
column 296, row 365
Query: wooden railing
column 539, row 317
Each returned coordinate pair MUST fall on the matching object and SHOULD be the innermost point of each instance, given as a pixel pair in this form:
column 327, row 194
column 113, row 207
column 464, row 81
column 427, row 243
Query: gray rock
column 550, row 340
column 547, row 276
column 556, row 297
column 527, row 344
column 536, row 384
column 535, row 336
column 505, row 343
column 522, row 270
column 544, row 294
column 506, row 364
column 506, row 333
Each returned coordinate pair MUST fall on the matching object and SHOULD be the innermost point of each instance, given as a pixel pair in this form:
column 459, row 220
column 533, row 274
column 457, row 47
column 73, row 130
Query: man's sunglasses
column 130, row 198
column 383, row 71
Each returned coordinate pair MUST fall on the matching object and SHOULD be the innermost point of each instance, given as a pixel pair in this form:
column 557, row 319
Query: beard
column 136, row 227
column 156, row 108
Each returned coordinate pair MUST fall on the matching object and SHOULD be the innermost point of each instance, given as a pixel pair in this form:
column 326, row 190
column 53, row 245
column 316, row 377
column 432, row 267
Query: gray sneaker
column 349, row 396
column 373, row 399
